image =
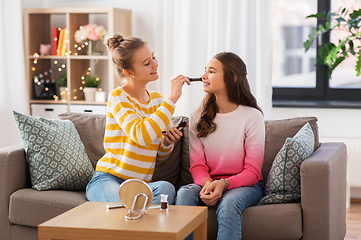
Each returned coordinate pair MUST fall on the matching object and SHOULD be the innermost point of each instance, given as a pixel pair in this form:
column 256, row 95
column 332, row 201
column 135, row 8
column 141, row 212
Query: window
column 295, row 79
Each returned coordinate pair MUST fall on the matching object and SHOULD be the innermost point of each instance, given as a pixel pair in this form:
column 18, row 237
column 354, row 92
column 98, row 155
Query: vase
column 100, row 96
column 89, row 94
column 92, row 48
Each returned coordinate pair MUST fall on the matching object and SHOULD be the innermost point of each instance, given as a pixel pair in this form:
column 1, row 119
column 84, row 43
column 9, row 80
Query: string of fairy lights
column 61, row 67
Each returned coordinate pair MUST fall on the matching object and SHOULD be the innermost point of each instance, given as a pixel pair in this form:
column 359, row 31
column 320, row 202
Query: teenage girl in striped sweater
column 135, row 118
column 226, row 141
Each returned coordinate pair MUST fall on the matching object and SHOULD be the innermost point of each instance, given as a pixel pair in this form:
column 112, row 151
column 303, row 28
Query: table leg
column 200, row 233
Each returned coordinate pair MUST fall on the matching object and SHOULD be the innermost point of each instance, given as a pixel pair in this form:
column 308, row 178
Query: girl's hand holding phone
column 172, row 135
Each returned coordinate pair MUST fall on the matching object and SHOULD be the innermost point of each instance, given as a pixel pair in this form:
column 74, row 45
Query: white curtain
column 188, row 33
column 13, row 85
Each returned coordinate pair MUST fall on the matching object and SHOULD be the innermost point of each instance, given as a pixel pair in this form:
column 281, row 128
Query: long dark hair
column 238, row 89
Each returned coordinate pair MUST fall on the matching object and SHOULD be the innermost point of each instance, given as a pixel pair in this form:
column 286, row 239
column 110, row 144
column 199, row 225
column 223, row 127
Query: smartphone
column 181, row 125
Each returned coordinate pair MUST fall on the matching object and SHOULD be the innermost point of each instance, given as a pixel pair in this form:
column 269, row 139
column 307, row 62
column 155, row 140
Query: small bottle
column 164, row 202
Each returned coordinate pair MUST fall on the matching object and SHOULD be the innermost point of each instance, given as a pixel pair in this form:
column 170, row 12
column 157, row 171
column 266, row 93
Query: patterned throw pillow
column 54, row 152
column 284, row 183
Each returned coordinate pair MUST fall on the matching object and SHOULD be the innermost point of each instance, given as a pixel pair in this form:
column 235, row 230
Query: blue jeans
column 104, row 187
column 229, row 208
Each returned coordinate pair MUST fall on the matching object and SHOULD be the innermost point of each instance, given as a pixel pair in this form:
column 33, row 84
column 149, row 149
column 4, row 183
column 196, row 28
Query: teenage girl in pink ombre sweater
column 227, row 137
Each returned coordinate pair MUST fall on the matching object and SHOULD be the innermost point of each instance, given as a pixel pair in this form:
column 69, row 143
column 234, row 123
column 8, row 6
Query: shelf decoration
column 100, row 96
column 44, row 86
column 90, row 87
column 63, row 86
column 55, row 38
column 45, row 49
column 62, row 42
column 89, row 35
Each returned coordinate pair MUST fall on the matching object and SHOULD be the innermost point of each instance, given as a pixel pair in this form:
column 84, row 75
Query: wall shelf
column 38, row 25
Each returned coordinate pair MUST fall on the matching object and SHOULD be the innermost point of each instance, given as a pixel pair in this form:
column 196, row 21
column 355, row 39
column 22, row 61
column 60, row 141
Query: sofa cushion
column 54, row 152
column 264, row 222
column 91, row 128
column 277, row 221
column 284, row 182
column 276, row 133
column 30, row 207
column 185, row 176
column 169, row 170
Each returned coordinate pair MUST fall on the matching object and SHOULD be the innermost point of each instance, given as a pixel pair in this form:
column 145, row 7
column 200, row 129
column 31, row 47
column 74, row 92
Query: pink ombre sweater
column 234, row 151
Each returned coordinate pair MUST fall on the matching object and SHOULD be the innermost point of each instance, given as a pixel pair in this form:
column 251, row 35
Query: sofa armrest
column 14, row 172
column 323, row 192
column 14, row 175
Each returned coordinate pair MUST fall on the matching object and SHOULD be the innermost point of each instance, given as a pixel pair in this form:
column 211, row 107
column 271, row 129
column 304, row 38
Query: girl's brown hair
column 121, row 50
column 238, row 89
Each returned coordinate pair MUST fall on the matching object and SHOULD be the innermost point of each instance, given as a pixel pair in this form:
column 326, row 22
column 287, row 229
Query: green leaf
column 315, row 31
column 329, row 15
column 358, row 64
column 337, row 62
column 332, row 56
column 323, row 57
column 344, row 52
column 62, row 80
column 357, row 23
column 321, row 28
column 355, row 14
column 340, row 19
column 307, row 44
column 357, row 34
column 352, row 51
column 317, row 15
column 92, row 81
column 328, row 25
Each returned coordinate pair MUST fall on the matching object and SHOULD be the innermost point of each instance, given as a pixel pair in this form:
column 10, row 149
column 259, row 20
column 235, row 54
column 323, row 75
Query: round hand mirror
column 135, row 188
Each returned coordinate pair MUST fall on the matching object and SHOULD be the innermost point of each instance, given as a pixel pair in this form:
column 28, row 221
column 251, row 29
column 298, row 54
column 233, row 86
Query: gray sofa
column 320, row 214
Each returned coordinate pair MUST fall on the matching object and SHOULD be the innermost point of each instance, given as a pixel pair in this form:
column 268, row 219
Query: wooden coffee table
column 92, row 220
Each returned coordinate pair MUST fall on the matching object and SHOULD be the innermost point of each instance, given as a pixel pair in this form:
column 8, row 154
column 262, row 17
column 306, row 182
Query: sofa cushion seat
column 30, row 207
column 276, row 221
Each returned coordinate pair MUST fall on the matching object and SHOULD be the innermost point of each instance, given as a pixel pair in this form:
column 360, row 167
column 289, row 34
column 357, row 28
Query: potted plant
column 330, row 54
column 62, row 84
column 90, row 87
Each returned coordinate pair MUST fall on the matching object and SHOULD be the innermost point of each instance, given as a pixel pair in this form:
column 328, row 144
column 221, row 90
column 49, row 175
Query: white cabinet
column 96, row 109
column 48, row 110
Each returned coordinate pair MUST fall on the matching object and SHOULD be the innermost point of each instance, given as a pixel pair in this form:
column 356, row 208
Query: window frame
column 321, row 95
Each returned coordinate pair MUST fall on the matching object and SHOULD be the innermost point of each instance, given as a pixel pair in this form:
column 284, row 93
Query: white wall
column 332, row 123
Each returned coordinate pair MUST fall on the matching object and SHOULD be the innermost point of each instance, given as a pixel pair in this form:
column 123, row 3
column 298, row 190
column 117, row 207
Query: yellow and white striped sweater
column 133, row 135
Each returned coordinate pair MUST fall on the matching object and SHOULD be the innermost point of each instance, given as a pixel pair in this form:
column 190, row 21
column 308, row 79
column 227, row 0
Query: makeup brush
column 195, row 79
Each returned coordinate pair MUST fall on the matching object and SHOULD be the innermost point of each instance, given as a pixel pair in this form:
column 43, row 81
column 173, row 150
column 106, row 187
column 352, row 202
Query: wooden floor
column 353, row 221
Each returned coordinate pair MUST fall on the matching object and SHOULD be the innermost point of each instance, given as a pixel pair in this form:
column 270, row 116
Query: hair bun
column 114, row 41
column 119, row 38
